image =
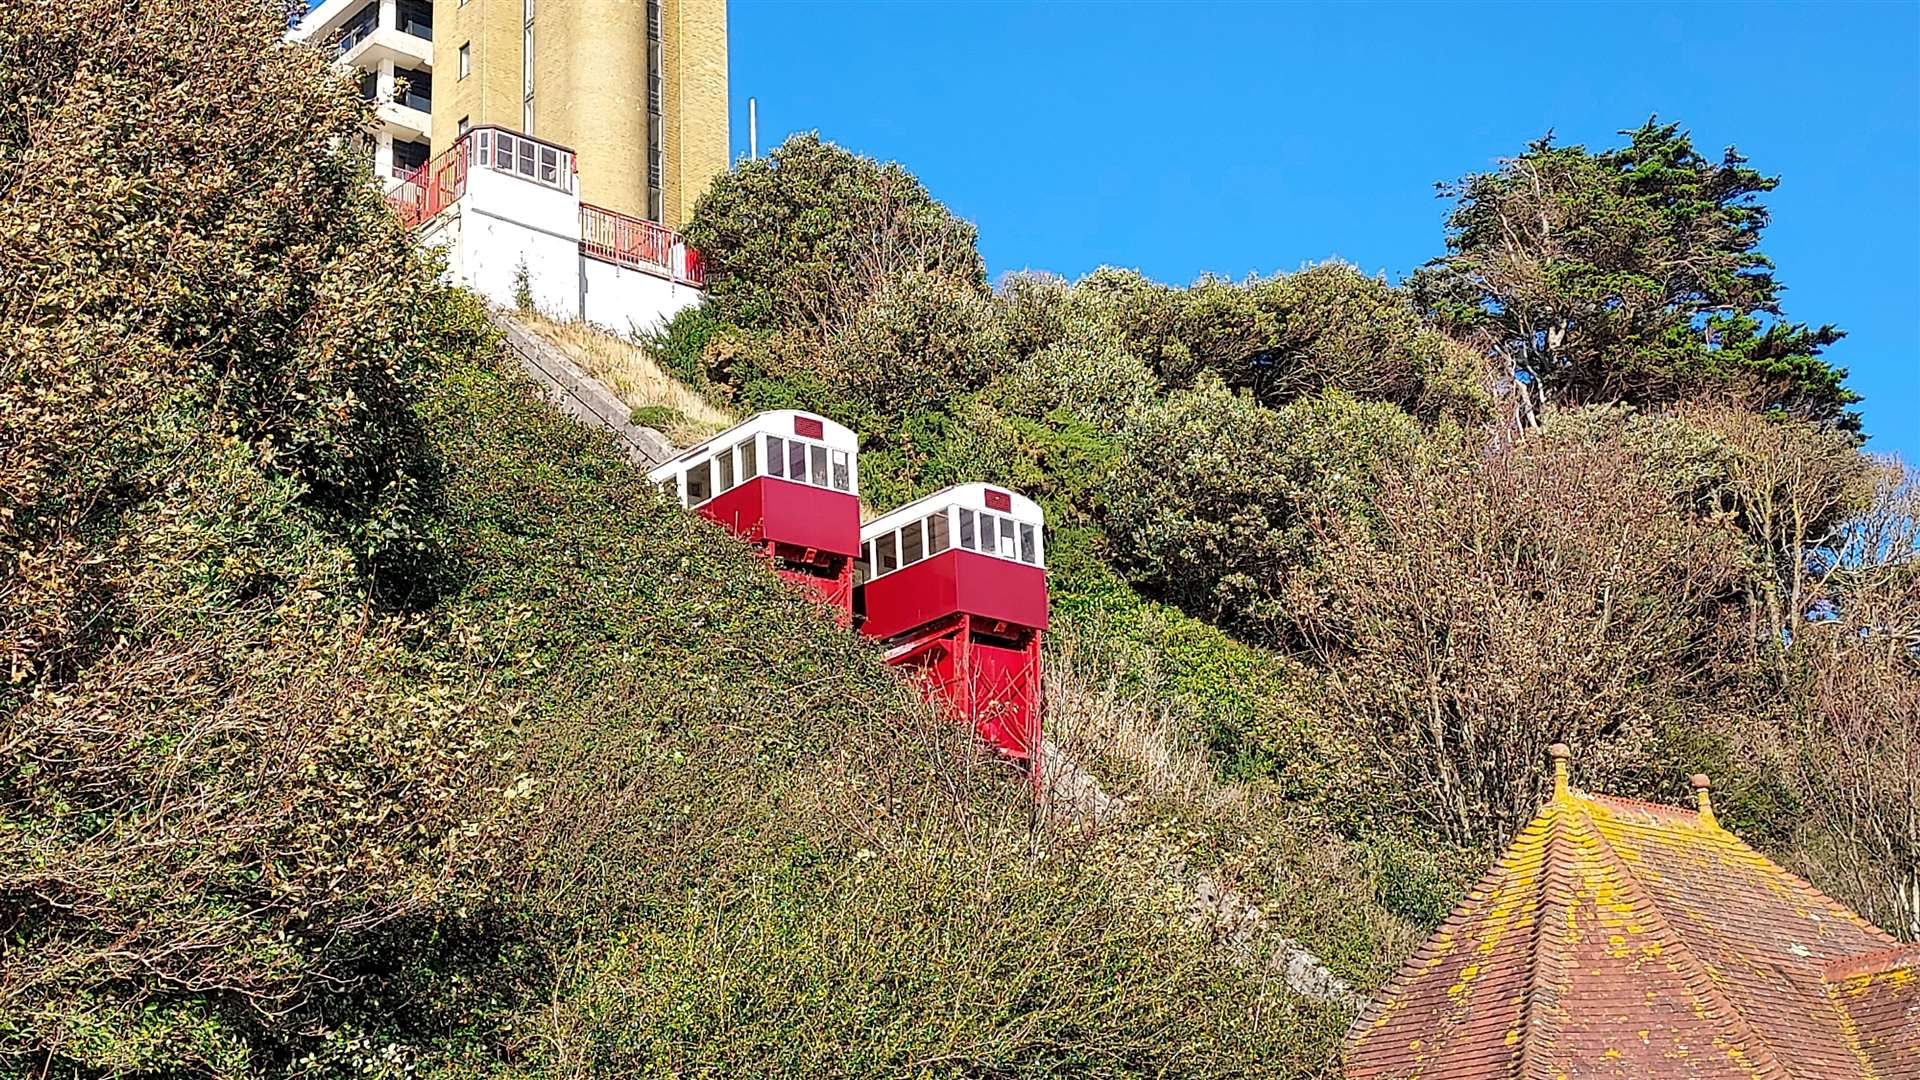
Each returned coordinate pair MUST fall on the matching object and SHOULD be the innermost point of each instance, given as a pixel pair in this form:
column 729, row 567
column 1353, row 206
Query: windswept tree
column 1629, row 275
column 807, row 235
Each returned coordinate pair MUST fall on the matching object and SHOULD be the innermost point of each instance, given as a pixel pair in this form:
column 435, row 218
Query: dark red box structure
column 955, row 586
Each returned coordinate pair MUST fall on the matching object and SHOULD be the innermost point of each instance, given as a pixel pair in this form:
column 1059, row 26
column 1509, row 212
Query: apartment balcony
column 382, row 43
column 365, row 32
column 403, row 121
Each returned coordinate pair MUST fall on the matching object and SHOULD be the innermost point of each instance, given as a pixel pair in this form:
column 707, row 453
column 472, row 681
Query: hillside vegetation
column 1375, row 547
column 364, row 717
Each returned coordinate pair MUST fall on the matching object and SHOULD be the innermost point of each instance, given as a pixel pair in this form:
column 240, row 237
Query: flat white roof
column 966, row 496
column 784, row 423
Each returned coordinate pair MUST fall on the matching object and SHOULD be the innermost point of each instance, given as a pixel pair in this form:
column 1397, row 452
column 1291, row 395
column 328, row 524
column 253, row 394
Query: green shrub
column 1211, row 505
column 802, row 237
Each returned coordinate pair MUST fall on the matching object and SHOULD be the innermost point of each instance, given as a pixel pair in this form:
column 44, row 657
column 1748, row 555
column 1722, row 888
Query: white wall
column 503, row 222
column 507, row 223
column 625, row 300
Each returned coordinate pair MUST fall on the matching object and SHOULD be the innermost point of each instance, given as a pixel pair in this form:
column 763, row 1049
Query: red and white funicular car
column 787, row 482
column 955, row 585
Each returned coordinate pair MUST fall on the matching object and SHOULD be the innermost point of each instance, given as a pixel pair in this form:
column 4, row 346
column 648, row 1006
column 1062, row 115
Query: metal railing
column 432, row 187
column 638, row 244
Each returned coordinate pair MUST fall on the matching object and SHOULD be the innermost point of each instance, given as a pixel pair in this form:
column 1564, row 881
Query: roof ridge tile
column 1872, row 963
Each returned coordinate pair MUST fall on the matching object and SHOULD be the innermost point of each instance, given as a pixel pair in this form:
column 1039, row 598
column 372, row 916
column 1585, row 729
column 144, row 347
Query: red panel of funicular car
column 787, row 482
column 955, row 585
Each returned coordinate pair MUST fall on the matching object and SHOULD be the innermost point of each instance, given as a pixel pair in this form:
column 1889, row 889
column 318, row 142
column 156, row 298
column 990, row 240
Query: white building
column 389, row 45
column 504, row 207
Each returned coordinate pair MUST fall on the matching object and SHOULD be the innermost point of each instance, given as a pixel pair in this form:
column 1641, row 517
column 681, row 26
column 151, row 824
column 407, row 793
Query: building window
column 465, row 124
column 418, row 91
column 370, row 86
column 408, row 156
column 526, row 66
column 360, row 27
column 415, row 17
column 466, row 60
column 653, row 20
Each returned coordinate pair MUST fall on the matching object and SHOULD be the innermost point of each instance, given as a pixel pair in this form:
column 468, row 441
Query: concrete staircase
column 580, row 395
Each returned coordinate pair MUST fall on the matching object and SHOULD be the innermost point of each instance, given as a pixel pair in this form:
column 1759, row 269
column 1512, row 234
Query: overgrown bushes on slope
column 366, row 718
column 225, row 779
column 749, row 848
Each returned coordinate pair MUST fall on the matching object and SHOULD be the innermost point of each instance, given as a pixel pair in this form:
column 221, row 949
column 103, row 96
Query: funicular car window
column 863, row 566
column 842, row 475
column 936, row 533
column 886, row 553
column 1006, row 537
column 912, row 547
column 797, row 460
column 776, row 455
column 725, row 482
column 818, row 474
column 966, row 529
column 749, row 468
column 1027, row 554
column 697, row 484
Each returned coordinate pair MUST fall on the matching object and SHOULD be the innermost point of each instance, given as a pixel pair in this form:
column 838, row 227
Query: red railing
column 432, row 187
column 638, row 244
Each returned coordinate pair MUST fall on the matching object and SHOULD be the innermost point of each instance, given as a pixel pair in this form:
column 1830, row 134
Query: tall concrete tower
column 637, row 88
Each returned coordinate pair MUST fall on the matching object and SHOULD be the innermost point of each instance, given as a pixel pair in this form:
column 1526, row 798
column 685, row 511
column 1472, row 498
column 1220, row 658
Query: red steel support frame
column 826, row 576
column 996, row 687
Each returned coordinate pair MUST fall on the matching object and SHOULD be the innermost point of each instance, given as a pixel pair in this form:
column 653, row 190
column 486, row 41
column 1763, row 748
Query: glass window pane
column 503, row 152
column 936, row 533
column 888, row 555
column 725, row 461
column 1006, row 537
column 697, row 489
column 526, row 158
column 911, row 547
column 863, row 566
column 819, row 474
column 549, row 165
column 966, row 529
column 796, row 460
column 776, row 455
column 842, row 475
column 749, row 467
column 1027, row 553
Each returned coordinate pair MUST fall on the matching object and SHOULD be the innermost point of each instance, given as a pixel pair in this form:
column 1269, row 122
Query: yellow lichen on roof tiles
column 1608, row 915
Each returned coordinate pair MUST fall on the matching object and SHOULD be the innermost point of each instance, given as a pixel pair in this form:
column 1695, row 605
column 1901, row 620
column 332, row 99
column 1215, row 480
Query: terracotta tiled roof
column 1637, row 941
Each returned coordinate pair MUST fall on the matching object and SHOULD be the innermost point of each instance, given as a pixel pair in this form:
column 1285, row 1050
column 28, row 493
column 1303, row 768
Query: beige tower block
column 593, row 64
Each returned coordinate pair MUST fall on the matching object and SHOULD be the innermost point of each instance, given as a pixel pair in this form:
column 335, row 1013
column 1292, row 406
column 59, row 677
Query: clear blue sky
column 1185, row 138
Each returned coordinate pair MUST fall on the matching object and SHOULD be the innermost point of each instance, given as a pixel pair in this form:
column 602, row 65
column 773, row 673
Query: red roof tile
column 1637, row 941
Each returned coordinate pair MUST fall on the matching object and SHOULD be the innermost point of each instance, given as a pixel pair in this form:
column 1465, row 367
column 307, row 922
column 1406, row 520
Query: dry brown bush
column 1506, row 596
